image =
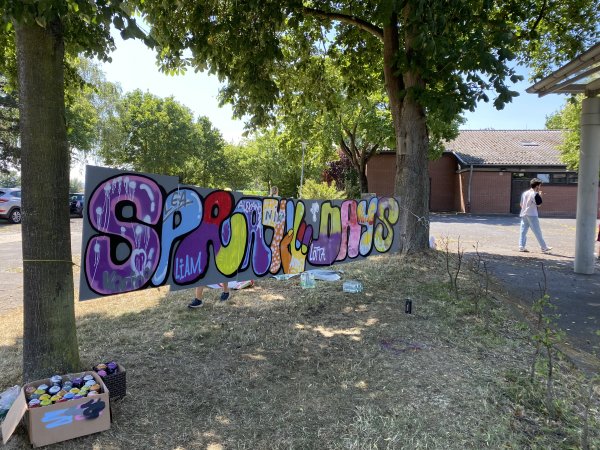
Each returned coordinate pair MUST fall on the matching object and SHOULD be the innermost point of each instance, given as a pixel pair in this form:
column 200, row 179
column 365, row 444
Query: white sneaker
column 523, row 250
column 546, row 250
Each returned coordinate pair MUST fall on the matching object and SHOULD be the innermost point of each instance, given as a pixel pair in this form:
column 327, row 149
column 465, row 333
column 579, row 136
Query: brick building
column 485, row 172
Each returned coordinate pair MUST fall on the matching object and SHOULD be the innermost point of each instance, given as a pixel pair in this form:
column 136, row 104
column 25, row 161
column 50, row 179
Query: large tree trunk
column 412, row 177
column 50, row 337
column 412, row 144
column 412, row 174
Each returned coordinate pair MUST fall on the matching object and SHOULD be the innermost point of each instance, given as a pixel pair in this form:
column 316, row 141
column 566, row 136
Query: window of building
column 545, row 177
column 549, row 178
column 558, row 178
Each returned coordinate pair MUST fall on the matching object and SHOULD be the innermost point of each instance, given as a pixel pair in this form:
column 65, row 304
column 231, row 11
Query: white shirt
column 528, row 205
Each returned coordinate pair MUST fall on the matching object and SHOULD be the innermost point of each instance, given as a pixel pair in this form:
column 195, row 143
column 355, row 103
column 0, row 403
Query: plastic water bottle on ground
column 352, row 286
column 307, row 280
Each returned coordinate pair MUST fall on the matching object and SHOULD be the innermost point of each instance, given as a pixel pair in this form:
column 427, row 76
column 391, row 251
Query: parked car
column 10, row 204
column 76, row 203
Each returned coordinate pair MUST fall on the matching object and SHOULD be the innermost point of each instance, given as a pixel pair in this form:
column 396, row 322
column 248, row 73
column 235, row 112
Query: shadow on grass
column 576, row 296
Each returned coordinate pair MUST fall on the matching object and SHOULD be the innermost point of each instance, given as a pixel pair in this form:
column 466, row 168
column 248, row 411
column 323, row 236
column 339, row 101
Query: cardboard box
column 60, row 421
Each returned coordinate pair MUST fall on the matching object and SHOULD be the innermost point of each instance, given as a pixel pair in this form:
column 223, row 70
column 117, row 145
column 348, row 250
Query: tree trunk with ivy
column 49, row 336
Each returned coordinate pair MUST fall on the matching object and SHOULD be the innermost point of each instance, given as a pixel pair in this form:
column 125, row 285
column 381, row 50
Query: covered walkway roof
column 580, row 76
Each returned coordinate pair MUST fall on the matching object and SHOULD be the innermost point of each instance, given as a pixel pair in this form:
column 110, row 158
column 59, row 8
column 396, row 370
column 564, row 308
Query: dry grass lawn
column 281, row 367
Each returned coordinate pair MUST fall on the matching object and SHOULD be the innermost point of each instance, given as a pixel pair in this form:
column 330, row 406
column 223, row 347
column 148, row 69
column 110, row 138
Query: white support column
column 587, row 189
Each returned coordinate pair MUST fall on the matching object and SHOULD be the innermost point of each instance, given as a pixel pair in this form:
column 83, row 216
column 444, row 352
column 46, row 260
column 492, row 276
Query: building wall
column 442, row 173
column 558, row 201
column 490, row 192
column 381, row 172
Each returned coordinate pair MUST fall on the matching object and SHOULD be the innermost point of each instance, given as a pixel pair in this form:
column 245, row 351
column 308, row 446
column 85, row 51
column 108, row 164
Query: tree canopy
column 436, row 57
column 568, row 119
column 147, row 133
column 87, row 95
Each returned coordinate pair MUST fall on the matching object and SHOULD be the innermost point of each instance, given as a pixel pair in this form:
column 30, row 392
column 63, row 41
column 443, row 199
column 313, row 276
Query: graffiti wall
column 143, row 231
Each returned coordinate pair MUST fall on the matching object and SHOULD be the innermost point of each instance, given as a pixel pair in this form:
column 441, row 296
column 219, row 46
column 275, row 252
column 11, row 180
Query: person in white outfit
column 530, row 200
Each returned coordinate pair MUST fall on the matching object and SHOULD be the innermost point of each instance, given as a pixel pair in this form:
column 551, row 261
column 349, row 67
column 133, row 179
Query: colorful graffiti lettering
column 85, row 411
column 140, row 233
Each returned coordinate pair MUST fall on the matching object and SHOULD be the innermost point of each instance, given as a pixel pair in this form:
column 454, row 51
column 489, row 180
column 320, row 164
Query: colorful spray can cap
column 29, row 390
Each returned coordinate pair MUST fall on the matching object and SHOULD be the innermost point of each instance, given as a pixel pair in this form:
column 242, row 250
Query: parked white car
column 10, row 204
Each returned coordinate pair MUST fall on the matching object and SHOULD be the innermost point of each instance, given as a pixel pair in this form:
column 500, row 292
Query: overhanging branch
column 345, row 18
column 540, row 16
column 371, row 152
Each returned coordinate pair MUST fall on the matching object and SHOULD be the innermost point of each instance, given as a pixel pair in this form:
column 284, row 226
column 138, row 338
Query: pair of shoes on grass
column 197, row 303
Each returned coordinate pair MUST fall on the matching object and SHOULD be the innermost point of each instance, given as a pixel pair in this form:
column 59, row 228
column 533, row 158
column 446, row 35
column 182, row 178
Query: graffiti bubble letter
column 125, row 252
column 388, row 213
column 182, row 214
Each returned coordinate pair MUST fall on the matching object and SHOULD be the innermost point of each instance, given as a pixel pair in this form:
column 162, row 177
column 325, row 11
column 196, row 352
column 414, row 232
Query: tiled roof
column 507, row 147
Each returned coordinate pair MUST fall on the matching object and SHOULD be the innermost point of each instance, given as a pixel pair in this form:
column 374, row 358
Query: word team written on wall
column 143, row 231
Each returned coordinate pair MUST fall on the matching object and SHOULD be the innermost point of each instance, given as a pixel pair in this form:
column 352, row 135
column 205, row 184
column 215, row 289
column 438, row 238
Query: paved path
column 11, row 262
column 577, row 297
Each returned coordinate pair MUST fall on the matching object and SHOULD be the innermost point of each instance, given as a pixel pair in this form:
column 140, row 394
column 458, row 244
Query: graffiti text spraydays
column 144, row 237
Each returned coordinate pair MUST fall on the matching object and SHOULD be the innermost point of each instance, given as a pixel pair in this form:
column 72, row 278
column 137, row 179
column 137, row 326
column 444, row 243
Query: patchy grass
column 281, row 367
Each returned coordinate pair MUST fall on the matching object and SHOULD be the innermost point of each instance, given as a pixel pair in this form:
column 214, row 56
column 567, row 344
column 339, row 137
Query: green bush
column 321, row 191
column 251, row 192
